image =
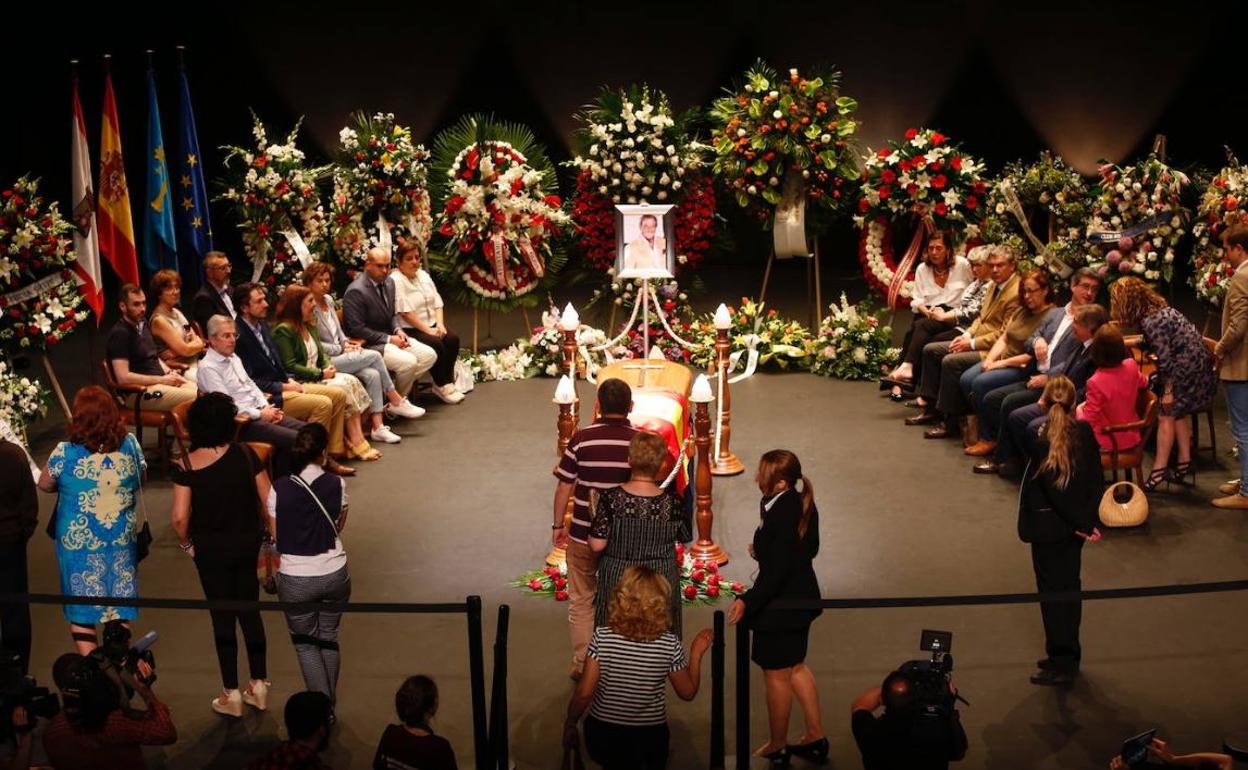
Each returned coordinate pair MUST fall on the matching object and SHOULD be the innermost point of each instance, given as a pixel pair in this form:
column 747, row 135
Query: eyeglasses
column 225, row 266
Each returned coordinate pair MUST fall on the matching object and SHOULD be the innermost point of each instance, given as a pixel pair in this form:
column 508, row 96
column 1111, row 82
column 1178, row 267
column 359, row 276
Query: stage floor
column 462, row 507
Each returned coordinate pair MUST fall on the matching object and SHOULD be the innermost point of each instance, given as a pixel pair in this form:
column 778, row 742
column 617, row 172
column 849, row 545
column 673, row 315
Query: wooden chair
column 1207, row 411
column 138, row 417
column 1132, row 459
column 262, row 449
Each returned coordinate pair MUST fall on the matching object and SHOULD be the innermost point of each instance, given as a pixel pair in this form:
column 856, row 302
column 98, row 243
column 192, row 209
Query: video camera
column 17, row 689
column 117, row 650
column 929, row 679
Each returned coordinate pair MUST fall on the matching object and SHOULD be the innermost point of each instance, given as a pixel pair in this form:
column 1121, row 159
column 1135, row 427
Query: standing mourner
column 1232, row 355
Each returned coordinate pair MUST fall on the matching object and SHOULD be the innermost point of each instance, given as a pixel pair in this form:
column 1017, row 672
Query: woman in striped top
column 628, row 664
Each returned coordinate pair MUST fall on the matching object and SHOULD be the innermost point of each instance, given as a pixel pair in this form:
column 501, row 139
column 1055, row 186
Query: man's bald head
column 377, row 266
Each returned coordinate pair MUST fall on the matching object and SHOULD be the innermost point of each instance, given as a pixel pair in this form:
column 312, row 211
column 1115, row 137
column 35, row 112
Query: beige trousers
column 322, row 404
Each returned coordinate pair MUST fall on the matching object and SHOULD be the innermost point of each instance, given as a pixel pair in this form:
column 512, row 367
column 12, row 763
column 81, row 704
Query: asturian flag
column 194, row 224
column 86, row 243
column 159, row 249
column 113, row 206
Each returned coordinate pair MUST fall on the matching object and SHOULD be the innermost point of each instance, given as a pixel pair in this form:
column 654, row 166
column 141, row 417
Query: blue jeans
column 1237, row 405
column 977, row 383
column 368, row 366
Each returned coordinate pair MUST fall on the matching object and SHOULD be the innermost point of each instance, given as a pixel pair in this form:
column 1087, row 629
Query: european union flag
column 194, row 225
column 159, row 247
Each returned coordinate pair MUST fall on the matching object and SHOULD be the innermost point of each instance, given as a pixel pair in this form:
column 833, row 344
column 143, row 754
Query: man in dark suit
column 213, row 298
column 310, row 402
column 1021, row 424
column 368, row 314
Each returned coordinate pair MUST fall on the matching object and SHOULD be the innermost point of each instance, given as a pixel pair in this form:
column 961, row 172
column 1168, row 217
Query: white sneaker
column 385, row 435
column 405, row 409
column 231, row 706
column 448, row 393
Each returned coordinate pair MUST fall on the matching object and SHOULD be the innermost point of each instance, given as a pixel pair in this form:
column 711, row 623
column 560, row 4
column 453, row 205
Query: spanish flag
column 116, row 228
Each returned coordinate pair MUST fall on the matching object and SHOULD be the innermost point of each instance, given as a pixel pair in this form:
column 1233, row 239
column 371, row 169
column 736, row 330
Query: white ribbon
column 384, row 239
column 32, row 290
column 1015, row 207
column 298, row 246
column 257, row 262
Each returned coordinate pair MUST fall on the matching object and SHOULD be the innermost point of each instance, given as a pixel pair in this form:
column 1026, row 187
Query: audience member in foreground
column 419, row 309
column 1159, row 755
column 785, row 546
column 596, row 459
column 638, row 523
column 309, row 717
column 19, row 518
column 1057, row 512
column 350, row 357
column 413, row 744
column 309, row 511
column 1185, row 380
column 216, row 516
column 1232, row 356
column 904, row 737
column 97, row 475
column 629, row 663
column 94, row 730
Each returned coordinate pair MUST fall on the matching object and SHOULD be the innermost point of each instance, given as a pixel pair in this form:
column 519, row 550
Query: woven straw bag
column 1123, row 505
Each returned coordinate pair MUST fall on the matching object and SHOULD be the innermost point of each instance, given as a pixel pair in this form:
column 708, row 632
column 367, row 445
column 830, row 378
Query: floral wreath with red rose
column 40, row 302
column 381, row 173
column 273, row 191
column 498, row 224
column 923, row 180
column 1222, row 204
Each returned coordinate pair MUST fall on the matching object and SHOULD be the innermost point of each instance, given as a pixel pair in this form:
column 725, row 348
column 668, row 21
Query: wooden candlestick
column 704, row 547
column 567, row 425
column 726, row 463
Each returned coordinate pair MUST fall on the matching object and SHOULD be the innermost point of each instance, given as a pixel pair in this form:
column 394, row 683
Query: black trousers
column 15, row 618
column 623, row 747
column 280, row 434
column 447, row 348
column 1057, row 567
column 922, row 331
column 234, row 577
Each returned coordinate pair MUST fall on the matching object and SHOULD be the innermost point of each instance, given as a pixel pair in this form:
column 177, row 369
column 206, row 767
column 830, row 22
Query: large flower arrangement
column 700, row 581
column 21, row 398
column 852, row 343
column 674, row 301
column 1047, row 185
column 635, row 150
column 545, row 346
column 497, row 219
column 1221, row 205
column 36, row 255
column 776, row 134
column 380, row 173
column 921, row 178
column 781, row 343
column 1143, row 203
column 272, row 189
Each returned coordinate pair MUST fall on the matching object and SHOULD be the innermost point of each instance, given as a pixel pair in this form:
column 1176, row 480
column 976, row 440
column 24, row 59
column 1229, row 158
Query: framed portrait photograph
column 645, row 241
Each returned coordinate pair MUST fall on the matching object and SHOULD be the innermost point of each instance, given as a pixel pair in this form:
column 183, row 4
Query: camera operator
column 97, row 728
column 1160, row 755
column 909, row 735
column 23, row 740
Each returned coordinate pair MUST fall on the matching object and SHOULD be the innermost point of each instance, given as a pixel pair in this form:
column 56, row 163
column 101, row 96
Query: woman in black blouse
column 639, row 523
column 785, row 546
column 217, row 517
column 1057, row 511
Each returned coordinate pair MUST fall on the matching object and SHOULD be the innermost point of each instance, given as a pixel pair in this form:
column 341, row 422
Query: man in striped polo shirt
column 596, row 458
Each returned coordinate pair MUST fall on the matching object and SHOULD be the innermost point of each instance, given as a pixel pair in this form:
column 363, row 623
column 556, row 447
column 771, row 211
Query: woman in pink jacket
column 1111, row 391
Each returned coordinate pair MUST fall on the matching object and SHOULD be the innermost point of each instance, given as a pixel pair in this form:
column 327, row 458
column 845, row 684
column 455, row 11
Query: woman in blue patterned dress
column 97, row 474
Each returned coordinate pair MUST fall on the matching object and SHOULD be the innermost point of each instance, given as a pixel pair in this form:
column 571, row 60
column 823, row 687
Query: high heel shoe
column 232, row 705
column 1156, row 477
column 1179, row 473
column 257, row 695
column 816, row 751
column 778, row 758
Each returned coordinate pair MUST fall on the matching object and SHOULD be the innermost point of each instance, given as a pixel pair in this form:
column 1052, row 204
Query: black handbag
column 143, row 538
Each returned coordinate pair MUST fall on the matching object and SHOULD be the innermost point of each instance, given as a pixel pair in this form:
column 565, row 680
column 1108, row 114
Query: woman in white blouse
column 939, row 282
column 418, row 309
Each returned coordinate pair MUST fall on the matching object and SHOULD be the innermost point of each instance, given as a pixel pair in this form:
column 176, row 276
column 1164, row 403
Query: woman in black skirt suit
column 784, row 546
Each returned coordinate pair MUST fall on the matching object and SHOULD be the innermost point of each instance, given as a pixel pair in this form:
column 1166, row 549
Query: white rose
column 1138, row 267
column 825, row 138
column 777, row 114
column 752, row 190
column 1000, row 209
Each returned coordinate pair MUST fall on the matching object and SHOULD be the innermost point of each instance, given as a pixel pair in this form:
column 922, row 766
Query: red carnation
column 738, row 588
column 863, row 205
column 884, row 192
column 938, row 138
column 553, row 201
column 882, row 153
column 912, row 133
column 980, row 188
column 691, row 592
column 887, row 176
column 561, row 583
column 561, row 596
column 939, row 181
column 712, row 567
column 941, row 209
column 972, row 202
column 956, row 162
column 712, row 591
column 535, row 584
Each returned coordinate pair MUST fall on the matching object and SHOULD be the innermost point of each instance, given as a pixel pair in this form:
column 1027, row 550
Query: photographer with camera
column 97, row 727
column 920, row 729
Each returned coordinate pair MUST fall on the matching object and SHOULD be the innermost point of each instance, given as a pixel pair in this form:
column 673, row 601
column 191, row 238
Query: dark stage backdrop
column 1006, row 79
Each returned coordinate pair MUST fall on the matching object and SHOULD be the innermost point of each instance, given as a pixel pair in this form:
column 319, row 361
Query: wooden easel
column 814, row 284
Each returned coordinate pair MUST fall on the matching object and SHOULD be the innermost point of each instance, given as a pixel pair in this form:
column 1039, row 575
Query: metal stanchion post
column 717, row 694
column 500, row 739
column 476, row 675
column 743, row 696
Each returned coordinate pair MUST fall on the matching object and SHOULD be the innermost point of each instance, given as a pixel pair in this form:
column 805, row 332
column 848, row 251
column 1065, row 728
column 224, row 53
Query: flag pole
column 91, row 328
column 181, row 59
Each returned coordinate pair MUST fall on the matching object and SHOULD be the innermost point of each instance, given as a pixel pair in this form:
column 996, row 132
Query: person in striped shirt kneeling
column 627, row 666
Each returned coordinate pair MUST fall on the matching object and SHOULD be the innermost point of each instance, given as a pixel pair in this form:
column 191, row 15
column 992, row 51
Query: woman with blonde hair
column 1185, row 380
column 638, row 522
column 1057, row 512
column 785, row 546
column 629, row 661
